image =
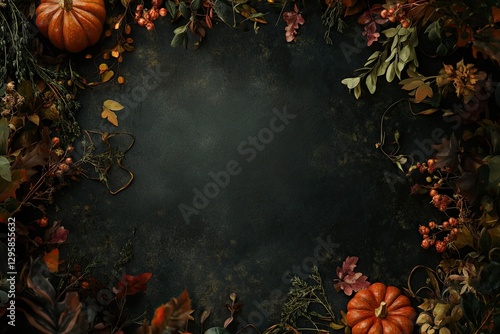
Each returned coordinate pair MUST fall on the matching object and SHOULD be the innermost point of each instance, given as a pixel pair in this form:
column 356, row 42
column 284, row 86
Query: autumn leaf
column 347, row 266
column 108, row 111
column 106, row 76
column 173, row 315
column 447, row 155
column 18, row 177
column 131, row 285
column 348, row 280
column 110, row 116
column 51, row 260
column 487, row 41
column 112, row 105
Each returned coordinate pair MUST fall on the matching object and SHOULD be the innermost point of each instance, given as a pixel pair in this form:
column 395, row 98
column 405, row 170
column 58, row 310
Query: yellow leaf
column 112, row 105
column 34, row 119
column 110, row 116
column 51, row 259
column 107, row 76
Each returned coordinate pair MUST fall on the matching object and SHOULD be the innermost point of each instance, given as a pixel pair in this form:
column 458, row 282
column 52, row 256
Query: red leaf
column 496, row 14
column 173, row 315
column 131, row 285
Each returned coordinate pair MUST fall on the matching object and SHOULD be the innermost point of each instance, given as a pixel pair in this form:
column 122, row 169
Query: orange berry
column 84, row 285
column 405, row 24
column 163, row 12
column 425, row 244
column 121, row 80
column 383, row 14
column 440, row 246
column 433, row 192
column 42, row 222
column 432, row 225
column 55, row 141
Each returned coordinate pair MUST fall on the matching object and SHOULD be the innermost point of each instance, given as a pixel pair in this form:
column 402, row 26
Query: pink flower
column 59, row 236
column 371, row 33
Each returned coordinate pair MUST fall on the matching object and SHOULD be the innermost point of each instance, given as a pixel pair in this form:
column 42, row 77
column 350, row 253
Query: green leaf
column 217, row 330
column 196, row 4
column 4, row 136
column 179, row 39
column 396, row 136
column 351, row 82
column 185, row 10
column 371, row 82
column 5, row 172
column 357, row 91
column 442, row 50
column 494, row 164
column 172, row 8
column 391, row 72
column 372, row 58
column 471, row 307
column 180, row 30
column 382, row 68
column 485, row 241
column 391, row 32
column 405, row 53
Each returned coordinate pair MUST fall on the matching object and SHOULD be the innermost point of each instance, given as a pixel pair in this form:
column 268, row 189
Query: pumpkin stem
column 381, row 311
column 67, row 5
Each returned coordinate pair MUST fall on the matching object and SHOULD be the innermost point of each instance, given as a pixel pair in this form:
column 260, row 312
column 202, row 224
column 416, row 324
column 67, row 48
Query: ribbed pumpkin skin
column 361, row 311
column 72, row 30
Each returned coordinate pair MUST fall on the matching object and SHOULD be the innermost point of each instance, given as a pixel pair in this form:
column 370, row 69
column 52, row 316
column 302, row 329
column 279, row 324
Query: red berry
column 139, row 7
column 446, row 225
column 433, row 192
column 423, row 230
column 55, row 141
column 85, row 285
column 69, row 161
column 150, row 26
column 163, row 12
column 440, row 246
column 142, row 22
column 405, row 24
column 38, row 240
column 453, row 221
column 432, row 225
column 383, row 14
column 425, row 244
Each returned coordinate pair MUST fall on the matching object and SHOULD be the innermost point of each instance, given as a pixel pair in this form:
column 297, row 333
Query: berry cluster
column 145, row 17
column 450, row 226
column 396, row 13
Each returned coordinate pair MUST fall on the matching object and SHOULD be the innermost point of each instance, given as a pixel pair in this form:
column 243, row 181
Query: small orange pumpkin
column 380, row 309
column 71, row 25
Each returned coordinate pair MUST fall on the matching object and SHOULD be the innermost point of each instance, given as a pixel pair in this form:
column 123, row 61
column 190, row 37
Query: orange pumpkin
column 380, row 309
column 71, row 25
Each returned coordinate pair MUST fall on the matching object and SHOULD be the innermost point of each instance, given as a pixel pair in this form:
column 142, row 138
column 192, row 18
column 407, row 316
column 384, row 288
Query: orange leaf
column 496, row 14
column 422, row 92
column 173, row 315
column 51, row 259
column 110, row 115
